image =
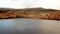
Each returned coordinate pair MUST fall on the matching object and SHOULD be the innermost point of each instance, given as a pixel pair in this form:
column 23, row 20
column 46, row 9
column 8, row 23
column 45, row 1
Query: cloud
column 54, row 4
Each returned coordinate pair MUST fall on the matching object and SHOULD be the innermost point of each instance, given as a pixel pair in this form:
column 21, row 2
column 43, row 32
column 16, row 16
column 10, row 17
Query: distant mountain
column 38, row 8
column 26, row 9
column 5, row 8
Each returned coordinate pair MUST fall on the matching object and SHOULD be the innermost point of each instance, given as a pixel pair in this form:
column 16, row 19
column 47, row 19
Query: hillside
column 29, row 13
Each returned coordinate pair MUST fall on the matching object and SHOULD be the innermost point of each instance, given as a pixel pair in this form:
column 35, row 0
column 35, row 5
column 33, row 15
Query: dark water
column 29, row 26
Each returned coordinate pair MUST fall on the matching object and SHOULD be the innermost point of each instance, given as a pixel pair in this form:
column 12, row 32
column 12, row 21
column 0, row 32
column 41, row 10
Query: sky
column 53, row 4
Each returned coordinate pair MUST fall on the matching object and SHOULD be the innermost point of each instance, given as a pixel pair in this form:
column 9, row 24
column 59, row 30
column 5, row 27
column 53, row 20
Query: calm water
column 29, row 26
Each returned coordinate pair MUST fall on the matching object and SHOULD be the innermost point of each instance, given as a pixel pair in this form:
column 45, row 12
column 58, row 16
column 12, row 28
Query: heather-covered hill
column 29, row 13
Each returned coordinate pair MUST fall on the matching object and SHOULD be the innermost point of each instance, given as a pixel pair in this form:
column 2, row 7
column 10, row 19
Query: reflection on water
column 19, row 25
column 23, row 25
column 7, row 25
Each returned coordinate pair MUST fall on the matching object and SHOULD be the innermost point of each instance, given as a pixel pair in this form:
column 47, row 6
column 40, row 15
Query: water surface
column 30, row 26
